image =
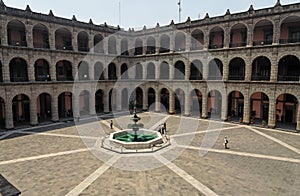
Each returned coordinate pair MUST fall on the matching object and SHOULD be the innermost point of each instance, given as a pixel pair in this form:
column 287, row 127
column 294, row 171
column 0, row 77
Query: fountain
column 135, row 137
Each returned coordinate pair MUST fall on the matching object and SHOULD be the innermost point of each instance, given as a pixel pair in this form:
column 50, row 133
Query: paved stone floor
column 67, row 160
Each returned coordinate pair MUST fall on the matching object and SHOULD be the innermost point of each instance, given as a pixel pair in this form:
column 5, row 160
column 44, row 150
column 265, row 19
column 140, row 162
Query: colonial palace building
column 244, row 65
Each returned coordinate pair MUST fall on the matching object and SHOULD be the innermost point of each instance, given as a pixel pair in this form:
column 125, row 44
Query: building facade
column 244, row 65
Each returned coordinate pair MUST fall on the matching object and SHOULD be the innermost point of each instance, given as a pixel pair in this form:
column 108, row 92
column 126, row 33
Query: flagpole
column 179, row 5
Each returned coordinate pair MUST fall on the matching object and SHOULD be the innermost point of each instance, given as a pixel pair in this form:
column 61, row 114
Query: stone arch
column 179, row 70
column 44, row 102
column 259, row 107
column 165, row 98
column 65, row 105
column 41, row 70
column 138, row 46
column 235, row 105
column 99, row 101
column 16, row 33
column 98, row 44
column 84, row 102
column 164, row 44
column 180, row 42
column 215, row 69
column 151, row 71
column 40, row 34
column 63, row 39
column 164, row 71
column 21, row 109
column 83, row 41
column 261, row 69
column 98, row 71
column 238, row 35
column 286, row 110
column 237, row 68
column 112, row 45
column 83, row 71
column 64, row 71
column 197, row 39
column 289, row 68
column 112, row 71
column 216, row 37
column 196, row 70
column 18, row 70
column 124, row 47
column 263, row 32
column 214, row 104
column 151, row 45
column 124, row 71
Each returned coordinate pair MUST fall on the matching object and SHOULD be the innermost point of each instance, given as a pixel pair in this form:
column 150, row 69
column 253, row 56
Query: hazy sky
column 137, row 13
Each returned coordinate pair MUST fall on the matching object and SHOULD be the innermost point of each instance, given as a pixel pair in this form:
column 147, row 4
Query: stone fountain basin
column 136, row 145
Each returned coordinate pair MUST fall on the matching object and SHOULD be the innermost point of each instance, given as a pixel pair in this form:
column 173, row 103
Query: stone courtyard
column 66, row 159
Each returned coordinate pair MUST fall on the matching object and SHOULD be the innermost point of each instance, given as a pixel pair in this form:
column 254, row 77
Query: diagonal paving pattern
column 88, row 181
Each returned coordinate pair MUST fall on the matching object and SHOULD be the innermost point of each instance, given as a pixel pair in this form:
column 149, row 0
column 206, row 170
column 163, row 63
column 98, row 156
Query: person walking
column 226, row 143
column 111, row 124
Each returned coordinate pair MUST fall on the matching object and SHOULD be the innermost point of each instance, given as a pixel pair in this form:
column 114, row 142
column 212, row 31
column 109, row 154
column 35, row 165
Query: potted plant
column 263, row 123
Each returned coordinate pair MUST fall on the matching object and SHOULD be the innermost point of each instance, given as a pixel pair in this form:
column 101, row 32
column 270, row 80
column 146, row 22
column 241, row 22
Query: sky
column 137, row 13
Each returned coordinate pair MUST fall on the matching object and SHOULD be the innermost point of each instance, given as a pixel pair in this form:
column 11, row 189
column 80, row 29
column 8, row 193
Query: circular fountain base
column 145, row 139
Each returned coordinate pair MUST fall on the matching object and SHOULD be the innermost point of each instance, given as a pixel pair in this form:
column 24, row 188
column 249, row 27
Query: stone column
column 274, row 69
column 54, row 108
column 33, row 111
column 171, row 103
column 188, row 43
column 225, row 69
column 92, row 105
column 250, row 36
column 272, row 113
column 298, row 119
column 5, row 69
column 171, row 72
column 206, row 39
column 74, row 40
column 205, row 70
column 248, row 70
column 187, row 104
column 52, row 38
column 226, row 37
column 52, row 68
column 106, row 102
column 204, row 104
column 276, row 31
column 9, row 123
column 145, row 100
column 118, row 71
column 91, row 43
column 246, row 116
column 144, row 66
column 119, row 100
column 75, row 69
column 224, row 107
column 76, row 112
column 157, row 70
column 30, row 68
column 29, row 36
column 187, row 71
column 4, row 38
column 91, row 70
column 172, row 43
column 157, row 102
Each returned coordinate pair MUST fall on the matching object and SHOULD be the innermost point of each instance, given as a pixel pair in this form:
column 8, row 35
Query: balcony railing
column 41, row 45
column 215, row 78
column 215, row 46
column 196, row 77
column 196, row 47
column 258, row 78
column 290, row 40
column 64, row 78
column 288, row 78
column 63, row 47
column 262, row 42
column 21, row 43
column 231, row 77
column 83, row 49
column 19, row 79
column 179, row 49
column 234, row 45
column 164, row 50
